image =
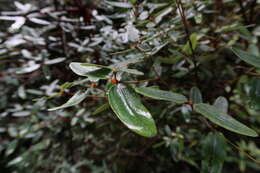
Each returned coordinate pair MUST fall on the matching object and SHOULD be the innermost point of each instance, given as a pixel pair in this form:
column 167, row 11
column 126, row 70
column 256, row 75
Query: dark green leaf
column 161, row 94
column 129, row 109
column 195, row 95
column 247, row 57
column 74, row 100
column 224, row 120
column 11, row 147
column 213, row 153
column 172, row 60
column 254, row 94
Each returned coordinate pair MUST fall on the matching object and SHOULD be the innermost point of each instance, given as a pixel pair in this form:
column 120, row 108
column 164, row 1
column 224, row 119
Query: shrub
column 124, row 86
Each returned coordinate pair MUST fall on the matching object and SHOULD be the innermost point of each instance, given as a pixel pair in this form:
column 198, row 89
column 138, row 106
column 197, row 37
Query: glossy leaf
column 195, row 95
column 161, row 94
column 129, row 109
column 223, row 119
column 92, row 71
column 74, row 100
column 247, row 57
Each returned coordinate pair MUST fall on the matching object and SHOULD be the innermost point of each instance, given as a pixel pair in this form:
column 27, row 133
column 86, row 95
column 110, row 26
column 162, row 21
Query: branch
column 185, row 24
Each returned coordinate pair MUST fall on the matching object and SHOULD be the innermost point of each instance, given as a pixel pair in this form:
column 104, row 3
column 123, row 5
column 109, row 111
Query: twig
column 243, row 151
column 252, row 10
column 243, row 11
column 185, row 24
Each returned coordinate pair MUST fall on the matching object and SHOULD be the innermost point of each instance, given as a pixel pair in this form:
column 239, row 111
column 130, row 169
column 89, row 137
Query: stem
column 243, row 11
column 185, row 24
column 252, row 11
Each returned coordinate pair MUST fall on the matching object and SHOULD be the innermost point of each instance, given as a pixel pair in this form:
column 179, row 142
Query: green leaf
column 223, row 119
column 120, row 4
column 131, row 71
column 101, row 109
column 161, row 94
column 214, row 151
column 68, row 85
column 229, row 28
column 221, row 103
column 11, row 147
column 129, row 109
column 254, row 94
column 74, row 100
column 41, row 145
column 172, row 60
column 195, row 95
column 93, row 71
column 247, row 57
column 194, row 42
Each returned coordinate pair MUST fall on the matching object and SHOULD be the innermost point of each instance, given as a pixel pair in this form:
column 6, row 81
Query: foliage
column 181, row 76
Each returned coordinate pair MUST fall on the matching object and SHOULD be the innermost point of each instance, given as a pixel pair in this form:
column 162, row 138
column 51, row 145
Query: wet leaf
column 129, row 109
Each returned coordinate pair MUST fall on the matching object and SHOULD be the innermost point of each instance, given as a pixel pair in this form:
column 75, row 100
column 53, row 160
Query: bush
column 129, row 86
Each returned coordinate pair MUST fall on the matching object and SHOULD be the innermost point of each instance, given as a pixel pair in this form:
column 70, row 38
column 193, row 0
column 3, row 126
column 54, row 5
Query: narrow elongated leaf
column 223, row 119
column 195, row 95
column 74, row 100
column 90, row 70
column 95, row 71
column 120, row 4
column 132, row 71
column 247, row 57
column 129, row 109
column 101, row 109
column 161, row 94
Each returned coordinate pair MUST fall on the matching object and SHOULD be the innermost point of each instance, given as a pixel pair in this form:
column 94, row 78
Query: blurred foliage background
column 38, row 40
